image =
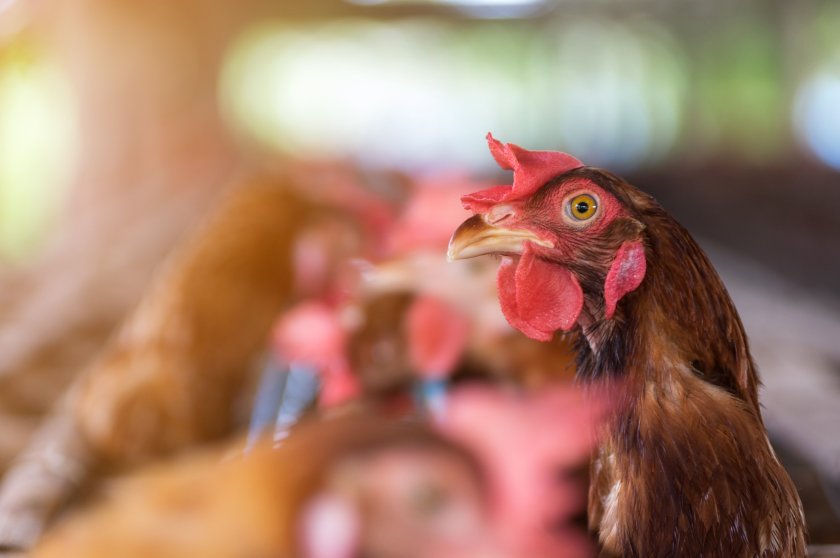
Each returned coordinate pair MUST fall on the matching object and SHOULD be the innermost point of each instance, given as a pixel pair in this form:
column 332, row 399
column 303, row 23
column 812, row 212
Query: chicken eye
column 583, row 207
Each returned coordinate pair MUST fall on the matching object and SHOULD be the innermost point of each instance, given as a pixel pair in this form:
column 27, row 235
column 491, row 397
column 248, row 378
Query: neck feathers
column 687, row 443
column 680, row 317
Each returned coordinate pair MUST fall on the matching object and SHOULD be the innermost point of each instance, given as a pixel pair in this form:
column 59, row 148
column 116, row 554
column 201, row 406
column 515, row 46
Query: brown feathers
column 216, row 506
column 171, row 376
column 685, row 468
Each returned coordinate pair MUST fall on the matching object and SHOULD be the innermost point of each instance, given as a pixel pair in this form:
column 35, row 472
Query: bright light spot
column 817, row 116
column 36, row 152
column 423, row 94
column 6, row 4
column 411, row 95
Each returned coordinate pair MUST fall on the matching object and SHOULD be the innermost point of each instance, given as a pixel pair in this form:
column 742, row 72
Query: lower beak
column 476, row 238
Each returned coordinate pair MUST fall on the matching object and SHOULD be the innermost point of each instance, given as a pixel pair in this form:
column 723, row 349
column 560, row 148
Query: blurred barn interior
column 122, row 125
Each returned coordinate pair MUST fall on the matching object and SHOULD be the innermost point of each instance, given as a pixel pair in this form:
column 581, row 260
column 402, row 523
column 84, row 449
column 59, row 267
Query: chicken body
column 174, row 374
column 206, row 505
column 688, row 447
column 684, row 467
column 358, row 483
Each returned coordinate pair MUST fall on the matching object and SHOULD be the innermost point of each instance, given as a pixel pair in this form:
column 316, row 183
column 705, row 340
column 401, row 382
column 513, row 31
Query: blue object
column 302, row 386
column 284, row 393
column 431, row 393
column 268, row 399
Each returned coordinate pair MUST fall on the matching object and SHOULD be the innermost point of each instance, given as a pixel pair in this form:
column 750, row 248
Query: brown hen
column 685, row 467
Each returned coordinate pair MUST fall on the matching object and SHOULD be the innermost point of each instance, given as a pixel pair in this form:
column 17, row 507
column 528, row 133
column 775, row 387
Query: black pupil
column 582, row 207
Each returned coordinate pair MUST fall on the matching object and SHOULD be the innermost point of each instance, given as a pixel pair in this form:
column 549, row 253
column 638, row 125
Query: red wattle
column 538, row 297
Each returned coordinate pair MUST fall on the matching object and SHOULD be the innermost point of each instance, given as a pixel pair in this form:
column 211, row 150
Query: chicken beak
column 476, row 238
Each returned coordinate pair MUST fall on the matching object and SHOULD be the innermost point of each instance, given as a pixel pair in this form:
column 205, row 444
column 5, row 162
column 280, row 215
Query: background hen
column 174, row 374
column 362, row 484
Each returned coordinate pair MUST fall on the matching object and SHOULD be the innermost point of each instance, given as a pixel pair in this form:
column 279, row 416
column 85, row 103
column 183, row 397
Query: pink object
column 311, row 262
column 625, row 275
column 329, row 528
column 311, row 333
column 339, row 385
column 342, row 184
column 531, row 170
column 430, row 215
column 437, row 335
column 538, row 297
column 526, row 441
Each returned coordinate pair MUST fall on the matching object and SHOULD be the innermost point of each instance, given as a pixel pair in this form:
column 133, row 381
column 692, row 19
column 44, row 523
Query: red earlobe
column 625, row 275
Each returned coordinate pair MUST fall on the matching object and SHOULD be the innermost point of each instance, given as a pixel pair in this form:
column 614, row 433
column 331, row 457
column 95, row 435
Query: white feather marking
column 610, row 520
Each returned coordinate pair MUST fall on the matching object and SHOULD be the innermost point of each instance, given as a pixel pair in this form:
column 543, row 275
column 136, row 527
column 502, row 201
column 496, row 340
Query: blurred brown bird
column 355, row 483
column 174, row 374
column 178, row 372
column 399, row 475
column 685, row 467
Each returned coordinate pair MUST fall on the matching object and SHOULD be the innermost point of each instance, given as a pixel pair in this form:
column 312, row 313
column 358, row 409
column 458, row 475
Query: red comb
column 531, row 170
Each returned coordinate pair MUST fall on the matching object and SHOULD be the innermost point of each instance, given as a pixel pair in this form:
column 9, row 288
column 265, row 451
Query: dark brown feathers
column 685, row 467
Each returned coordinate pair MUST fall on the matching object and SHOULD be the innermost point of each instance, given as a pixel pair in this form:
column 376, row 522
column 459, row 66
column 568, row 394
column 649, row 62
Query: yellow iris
column 583, row 207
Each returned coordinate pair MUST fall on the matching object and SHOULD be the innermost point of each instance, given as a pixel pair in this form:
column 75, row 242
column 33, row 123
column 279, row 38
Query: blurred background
column 121, row 122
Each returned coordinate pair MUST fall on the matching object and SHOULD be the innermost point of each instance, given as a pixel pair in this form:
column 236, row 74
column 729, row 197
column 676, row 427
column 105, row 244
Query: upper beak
column 475, row 238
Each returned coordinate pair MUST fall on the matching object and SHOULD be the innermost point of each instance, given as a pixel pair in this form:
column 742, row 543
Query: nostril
column 498, row 214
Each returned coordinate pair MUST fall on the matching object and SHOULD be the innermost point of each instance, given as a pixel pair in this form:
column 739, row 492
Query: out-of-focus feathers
column 361, row 484
column 171, row 376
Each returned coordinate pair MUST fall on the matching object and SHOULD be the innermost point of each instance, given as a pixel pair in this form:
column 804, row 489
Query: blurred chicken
column 361, row 485
column 685, row 467
column 251, row 506
column 174, row 374
column 178, row 373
